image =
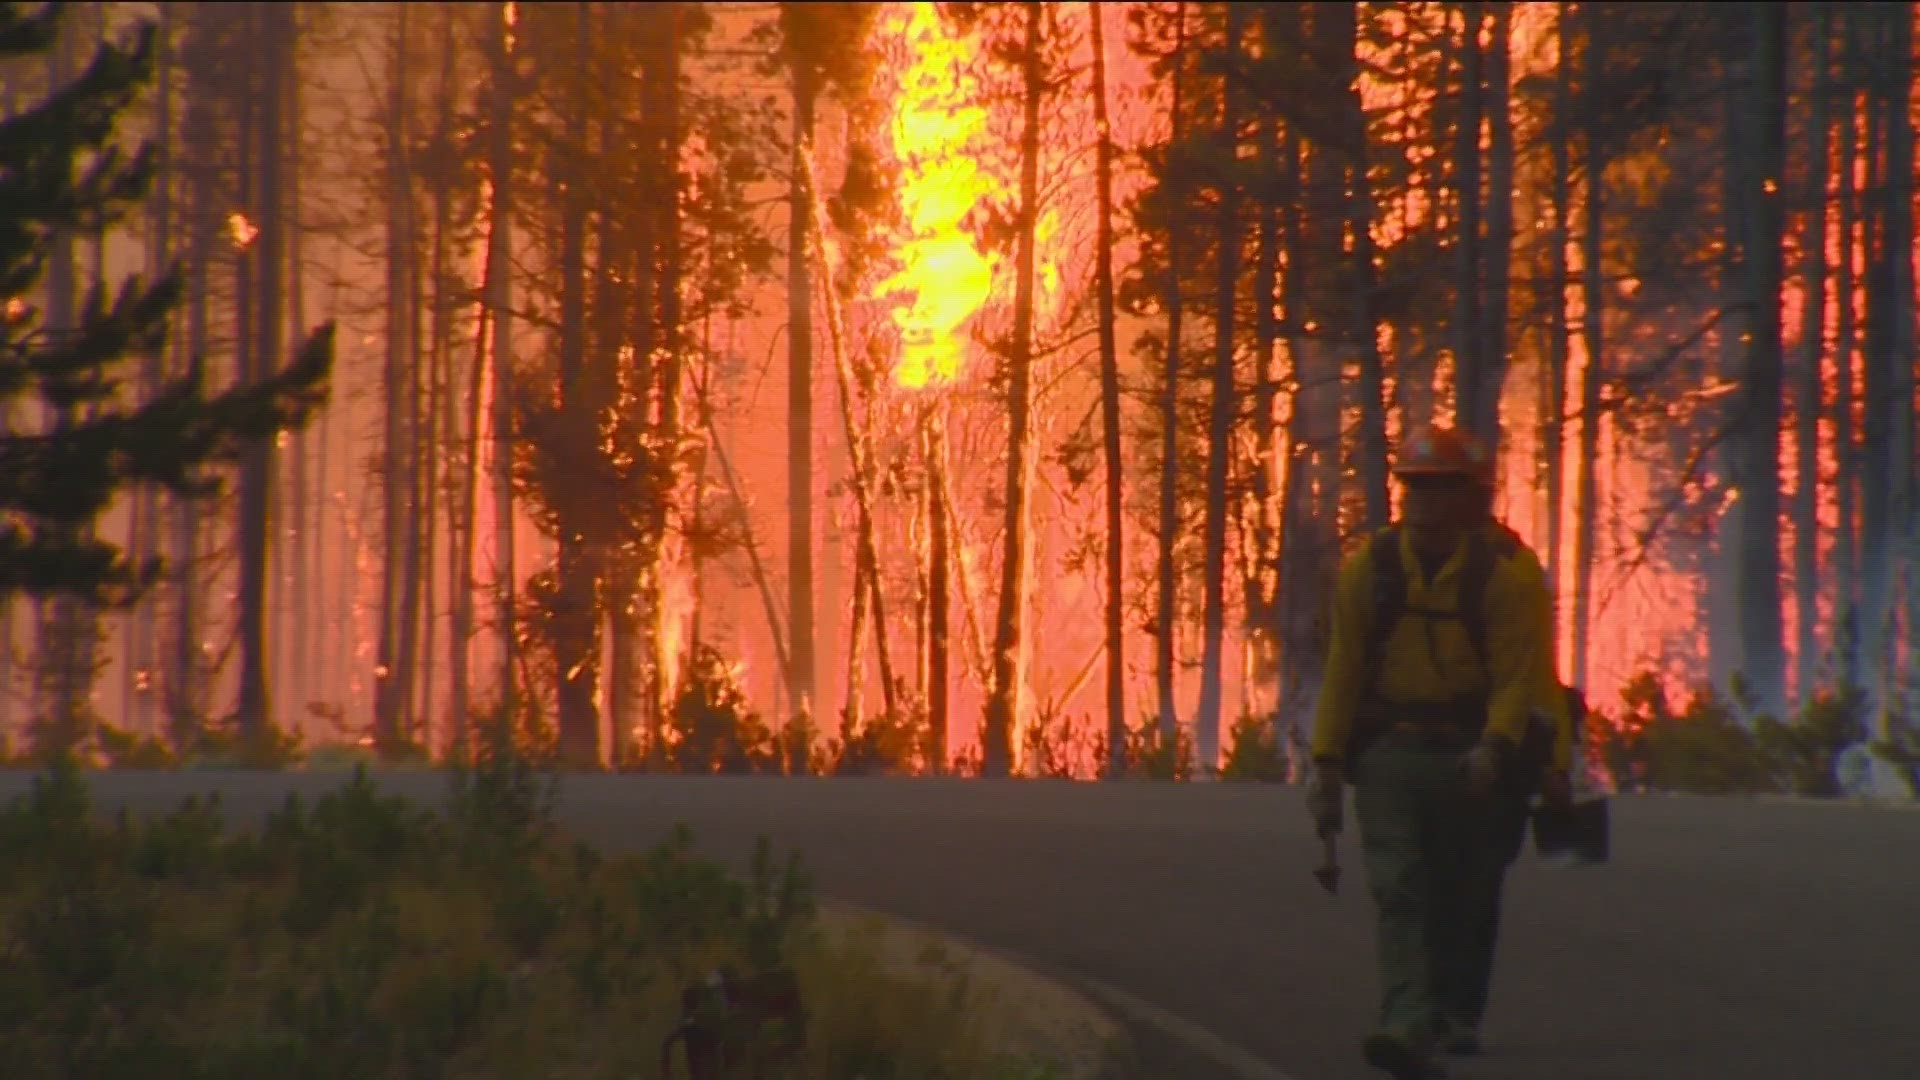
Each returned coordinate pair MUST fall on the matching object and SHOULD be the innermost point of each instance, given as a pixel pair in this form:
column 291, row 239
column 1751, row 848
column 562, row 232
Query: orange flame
column 944, row 278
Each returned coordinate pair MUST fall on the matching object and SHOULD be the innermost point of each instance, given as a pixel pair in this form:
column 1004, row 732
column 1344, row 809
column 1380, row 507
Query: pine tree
column 62, row 171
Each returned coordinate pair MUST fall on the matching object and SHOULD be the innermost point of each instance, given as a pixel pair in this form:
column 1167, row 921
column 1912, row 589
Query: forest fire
column 937, row 124
column 1519, row 236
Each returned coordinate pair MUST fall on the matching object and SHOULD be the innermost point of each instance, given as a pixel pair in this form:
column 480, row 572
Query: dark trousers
column 1436, row 859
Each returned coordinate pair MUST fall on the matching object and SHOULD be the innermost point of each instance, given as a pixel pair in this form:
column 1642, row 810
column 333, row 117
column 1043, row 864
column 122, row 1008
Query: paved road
column 1735, row 939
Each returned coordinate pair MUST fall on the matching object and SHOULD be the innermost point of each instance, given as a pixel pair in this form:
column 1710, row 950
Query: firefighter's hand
column 1326, row 796
column 1480, row 767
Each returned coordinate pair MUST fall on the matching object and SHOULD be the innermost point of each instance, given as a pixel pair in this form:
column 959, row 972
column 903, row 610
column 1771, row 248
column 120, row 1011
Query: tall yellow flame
column 937, row 120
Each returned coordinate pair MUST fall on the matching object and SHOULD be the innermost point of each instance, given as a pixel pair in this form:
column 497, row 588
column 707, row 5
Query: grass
column 362, row 936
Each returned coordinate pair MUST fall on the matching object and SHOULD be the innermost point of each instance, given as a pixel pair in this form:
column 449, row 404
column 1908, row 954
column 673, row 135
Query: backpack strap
column 1486, row 550
column 1389, row 598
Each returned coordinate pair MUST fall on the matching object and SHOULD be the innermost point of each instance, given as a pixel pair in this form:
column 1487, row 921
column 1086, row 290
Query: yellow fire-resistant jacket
column 1429, row 660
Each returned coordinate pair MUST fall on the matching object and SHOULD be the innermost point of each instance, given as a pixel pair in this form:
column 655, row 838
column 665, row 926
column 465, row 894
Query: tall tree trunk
column 9, row 102
column 614, row 327
column 1806, row 391
column 859, row 441
column 1559, row 345
column 185, row 702
column 415, row 595
column 499, row 299
column 939, row 561
column 1593, row 317
column 461, row 617
column 665, row 102
column 1109, row 408
column 1761, row 168
column 389, row 699
column 1295, row 547
column 1225, row 406
column 142, row 624
column 1263, row 565
column 297, row 638
column 437, row 410
column 1724, row 649
column 1362, row 324
column 1903, row 528
column 1496, row 256
column 264, row 286
column 1889, row 313
column 803, row 673
column 1845, row 642
column 1468, row 331
column 1003, row 701
column 1166, row 570
column 61, row 706
column 576, row 641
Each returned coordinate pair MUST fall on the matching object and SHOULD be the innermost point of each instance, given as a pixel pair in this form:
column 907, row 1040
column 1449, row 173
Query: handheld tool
column 1328, row 872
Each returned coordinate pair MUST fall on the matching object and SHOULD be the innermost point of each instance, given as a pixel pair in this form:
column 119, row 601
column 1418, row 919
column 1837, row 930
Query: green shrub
column 883, row 743
column 1148, row 755
column 1804, row 756
column 1061, row 747
column 712, row 728
column 1704, row 748
column 360, row 935
column 1253, row 751
column 1719, row 747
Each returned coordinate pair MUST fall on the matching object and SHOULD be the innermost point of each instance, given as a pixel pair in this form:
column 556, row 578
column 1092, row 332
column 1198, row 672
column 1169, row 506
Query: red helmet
column 1443, row 451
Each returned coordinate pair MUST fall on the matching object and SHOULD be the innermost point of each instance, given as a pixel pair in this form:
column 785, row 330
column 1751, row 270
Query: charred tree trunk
column 1807, row 381
column 1109, row 414
column 185, row 701
column 1263, row 565
column 939, row 559
column 1559, row 346
column 1903, row 527
column 1889, row 335
column 1760, row 169
column 142, row 624
column 499, row 300
column 614, row 326
column 803, row 674
column 1468, row 360
column 576, row 640
column 296, row 641
column 1845, row 642
column 1362, row 323
column 1003, row 701
column 256, row 466
column 1496, row 256
column 664, row 102
column 1586, row 526
column 437, row 480
column 389, row 692
column 61, row 712
column 1225, row 406
column 1166, row 570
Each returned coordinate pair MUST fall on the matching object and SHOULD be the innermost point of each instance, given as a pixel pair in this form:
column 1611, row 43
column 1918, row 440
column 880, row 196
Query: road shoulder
column 1034, row 1018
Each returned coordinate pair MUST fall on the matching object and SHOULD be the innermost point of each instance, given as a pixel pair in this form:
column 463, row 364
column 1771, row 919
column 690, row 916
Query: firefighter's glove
column 1326, row 796
column 1481, row 766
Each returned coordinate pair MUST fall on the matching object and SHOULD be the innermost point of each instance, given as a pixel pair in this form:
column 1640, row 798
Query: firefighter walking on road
column 1438, row 703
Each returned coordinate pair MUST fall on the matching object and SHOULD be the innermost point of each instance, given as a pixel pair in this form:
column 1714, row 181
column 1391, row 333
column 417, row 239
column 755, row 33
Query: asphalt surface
column 1728, row 938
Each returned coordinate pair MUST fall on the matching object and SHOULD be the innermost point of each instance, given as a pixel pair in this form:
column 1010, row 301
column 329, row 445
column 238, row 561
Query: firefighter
column 1439, row 685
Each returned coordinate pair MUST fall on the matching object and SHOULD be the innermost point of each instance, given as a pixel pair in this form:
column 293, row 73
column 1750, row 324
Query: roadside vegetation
column 360, row 935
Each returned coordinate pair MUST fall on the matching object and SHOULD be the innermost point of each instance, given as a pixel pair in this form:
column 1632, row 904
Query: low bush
column 1720, row 746
column 360, row 935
